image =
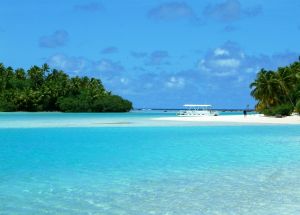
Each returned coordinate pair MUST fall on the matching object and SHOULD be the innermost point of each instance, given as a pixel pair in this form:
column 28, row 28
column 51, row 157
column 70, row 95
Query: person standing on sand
column 245, row 111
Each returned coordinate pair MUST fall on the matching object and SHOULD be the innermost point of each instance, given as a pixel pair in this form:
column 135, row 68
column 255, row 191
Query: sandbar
column 249, row 119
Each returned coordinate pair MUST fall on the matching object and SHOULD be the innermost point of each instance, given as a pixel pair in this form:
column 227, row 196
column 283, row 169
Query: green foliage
column 267, row 112
column 297, row 108
column 279, row 110
column 6, row 105
column 42, row 89
column 277, row 92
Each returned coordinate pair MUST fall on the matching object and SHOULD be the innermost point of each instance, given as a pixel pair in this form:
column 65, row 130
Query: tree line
column 278, row 92
column 45, row 89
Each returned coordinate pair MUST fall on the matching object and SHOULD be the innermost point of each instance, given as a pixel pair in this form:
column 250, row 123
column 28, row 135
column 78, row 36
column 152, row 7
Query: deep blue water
column 150, row 170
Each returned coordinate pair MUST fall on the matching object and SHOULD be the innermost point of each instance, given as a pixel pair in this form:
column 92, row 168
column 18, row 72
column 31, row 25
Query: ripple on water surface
column 150, row 170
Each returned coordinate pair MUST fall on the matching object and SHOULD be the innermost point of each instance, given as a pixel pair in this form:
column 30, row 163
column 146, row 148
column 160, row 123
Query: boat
column 197, row 110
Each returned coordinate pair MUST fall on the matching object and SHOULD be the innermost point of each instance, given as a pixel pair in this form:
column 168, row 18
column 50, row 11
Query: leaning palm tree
column 264, row 89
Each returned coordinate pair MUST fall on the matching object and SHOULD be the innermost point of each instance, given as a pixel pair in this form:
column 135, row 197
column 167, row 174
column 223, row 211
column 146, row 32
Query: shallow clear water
column 150, row 170
column 56, row 119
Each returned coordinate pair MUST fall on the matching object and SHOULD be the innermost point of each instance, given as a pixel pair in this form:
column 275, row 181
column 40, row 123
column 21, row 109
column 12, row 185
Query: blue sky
column 155, row 53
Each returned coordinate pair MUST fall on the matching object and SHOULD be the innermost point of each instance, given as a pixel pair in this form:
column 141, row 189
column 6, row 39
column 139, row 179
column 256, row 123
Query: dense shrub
column 297, row 108
column 6, row 106
column 283, row 110
column 107, row 103
column 279, row 110
column 267, row 112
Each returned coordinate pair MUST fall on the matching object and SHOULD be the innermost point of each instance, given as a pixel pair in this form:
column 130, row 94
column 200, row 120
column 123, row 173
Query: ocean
column 49, row 164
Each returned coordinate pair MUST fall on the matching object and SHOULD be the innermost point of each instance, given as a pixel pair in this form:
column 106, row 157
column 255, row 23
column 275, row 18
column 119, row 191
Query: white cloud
column 251, row 69
column 124, row 80
column 175, row 82
column 85, row 66
column 104, row 66
column 202, row 66
column 221, row 52
column 232, row 69
column 230, row 62
column 226, row 60
column 70, row 64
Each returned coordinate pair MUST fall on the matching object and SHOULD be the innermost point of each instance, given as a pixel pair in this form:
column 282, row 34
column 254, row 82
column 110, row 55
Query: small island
column 45, row 89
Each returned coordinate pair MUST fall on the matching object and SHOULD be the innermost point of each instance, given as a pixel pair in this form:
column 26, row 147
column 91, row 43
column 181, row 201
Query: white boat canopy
column 197, row 110
column 195, row 105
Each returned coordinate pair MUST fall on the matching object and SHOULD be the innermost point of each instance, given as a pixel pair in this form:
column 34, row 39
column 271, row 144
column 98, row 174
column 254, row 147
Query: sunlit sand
column 250, row 119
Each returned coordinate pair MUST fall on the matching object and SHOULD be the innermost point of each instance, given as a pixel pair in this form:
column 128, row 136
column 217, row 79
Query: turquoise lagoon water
column 146, row 169
column 57, row 119
column 135, row 118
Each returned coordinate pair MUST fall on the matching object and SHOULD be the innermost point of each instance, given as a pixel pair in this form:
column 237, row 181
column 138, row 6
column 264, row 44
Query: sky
column 158, row 54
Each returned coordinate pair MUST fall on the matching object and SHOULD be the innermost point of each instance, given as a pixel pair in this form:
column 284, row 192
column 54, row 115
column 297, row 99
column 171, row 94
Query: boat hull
column 197, row 113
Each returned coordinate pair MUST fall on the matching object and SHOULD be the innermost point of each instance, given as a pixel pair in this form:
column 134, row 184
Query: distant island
column 278, row 92
column 45, row 89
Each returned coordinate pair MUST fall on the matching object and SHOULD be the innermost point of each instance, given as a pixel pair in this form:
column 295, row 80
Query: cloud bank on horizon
column 156, row 53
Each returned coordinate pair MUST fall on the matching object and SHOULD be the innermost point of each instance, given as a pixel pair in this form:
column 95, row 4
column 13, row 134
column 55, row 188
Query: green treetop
column 43, row 89
column 278, row 92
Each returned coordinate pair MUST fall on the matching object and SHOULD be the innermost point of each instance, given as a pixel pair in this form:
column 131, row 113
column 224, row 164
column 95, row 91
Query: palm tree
column 36, row 76
column 284, row 80
column 264, row 89
column 42, row 89
column 20, row 74
column 45, row 67
column 74, row 86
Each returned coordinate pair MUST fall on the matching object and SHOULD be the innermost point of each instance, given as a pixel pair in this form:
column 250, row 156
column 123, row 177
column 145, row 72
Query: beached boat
column 197, row 110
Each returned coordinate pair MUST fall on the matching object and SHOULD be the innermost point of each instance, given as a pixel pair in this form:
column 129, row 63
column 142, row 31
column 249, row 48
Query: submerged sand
column 240, row 119
column 126, row 120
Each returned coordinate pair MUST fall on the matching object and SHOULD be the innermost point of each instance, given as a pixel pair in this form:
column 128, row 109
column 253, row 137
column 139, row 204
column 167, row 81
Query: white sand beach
column 240, row 119
column 52, row 120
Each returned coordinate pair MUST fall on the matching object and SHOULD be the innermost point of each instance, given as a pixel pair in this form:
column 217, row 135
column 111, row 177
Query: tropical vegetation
column 45, row 89
column 278, row 92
